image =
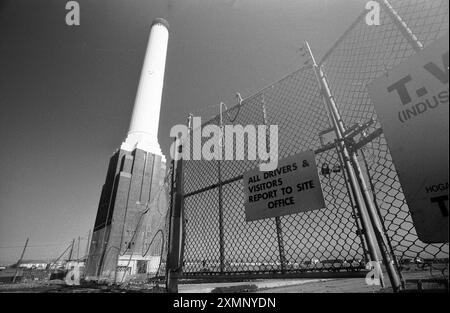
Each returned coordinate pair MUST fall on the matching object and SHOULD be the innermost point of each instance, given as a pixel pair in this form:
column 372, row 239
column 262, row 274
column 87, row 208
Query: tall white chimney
column 143, row 131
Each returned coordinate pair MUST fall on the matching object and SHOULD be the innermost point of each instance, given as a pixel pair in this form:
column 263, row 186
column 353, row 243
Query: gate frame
column 373, row 228
column 371, row 224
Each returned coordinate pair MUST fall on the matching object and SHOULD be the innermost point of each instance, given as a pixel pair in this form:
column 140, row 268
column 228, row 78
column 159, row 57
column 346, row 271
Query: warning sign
column 412, row 105
column 291, row 188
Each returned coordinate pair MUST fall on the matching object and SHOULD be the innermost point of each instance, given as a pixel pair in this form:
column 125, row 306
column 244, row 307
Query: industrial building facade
column 132, row 208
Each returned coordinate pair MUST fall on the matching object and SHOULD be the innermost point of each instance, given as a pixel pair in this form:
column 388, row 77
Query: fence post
column 278, row 223
column 221, row 234
column 219, row 174
column 176, row 225
column 355, row 209
column 377, row 207
column 403, row 27
column 280, row 244
column 369, row 217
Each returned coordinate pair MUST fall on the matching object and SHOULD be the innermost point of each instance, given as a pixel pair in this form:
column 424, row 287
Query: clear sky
column 66, row 93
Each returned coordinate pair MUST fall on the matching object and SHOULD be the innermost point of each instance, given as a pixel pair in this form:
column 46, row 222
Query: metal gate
column 327, row 242
column 219, row 241
column 360, row 55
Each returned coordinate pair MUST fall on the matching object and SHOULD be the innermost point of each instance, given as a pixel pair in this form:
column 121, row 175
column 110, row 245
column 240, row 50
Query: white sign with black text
column 293, row 187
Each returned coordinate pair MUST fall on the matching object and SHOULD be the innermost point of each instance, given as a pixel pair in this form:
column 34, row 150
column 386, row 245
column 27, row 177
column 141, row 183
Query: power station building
column 133, row 202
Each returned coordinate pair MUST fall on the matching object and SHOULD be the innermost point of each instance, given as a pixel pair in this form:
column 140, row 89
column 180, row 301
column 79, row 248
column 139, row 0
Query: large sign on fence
column 292, row 187
column 411, row 102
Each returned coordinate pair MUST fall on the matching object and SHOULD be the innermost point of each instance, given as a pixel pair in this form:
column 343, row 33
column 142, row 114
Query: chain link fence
column 324, row 242
column 362, row 54
column 220, row 241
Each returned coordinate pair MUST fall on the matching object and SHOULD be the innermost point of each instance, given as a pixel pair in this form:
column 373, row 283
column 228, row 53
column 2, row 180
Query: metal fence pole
column 377, row 207
column 176, row 225
column 280, row 244
column 278, row 223
column 376, row 224
column 369, row 219
column 219, row 189
column 355, row 209
column 403, row 27
column 221, row 234
column 348, row 168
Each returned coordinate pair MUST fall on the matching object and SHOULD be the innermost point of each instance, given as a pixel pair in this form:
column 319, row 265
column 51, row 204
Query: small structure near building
column 34, row 264
column 11, row 274
column 136, row 267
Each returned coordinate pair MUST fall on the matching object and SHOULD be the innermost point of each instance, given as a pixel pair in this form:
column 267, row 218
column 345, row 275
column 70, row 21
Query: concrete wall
column 134, row 179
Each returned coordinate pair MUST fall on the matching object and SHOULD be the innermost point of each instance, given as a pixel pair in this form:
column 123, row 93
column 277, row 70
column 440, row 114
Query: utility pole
column 62, row 254
column 71, row 249
column 78, row 248
column 87, row 245
column 20, row 260
column 176, row 226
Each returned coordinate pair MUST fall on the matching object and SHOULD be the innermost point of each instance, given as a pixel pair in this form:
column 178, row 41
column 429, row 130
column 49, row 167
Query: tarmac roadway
column 347, row 285
column 341, row 285
column 352, row 285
